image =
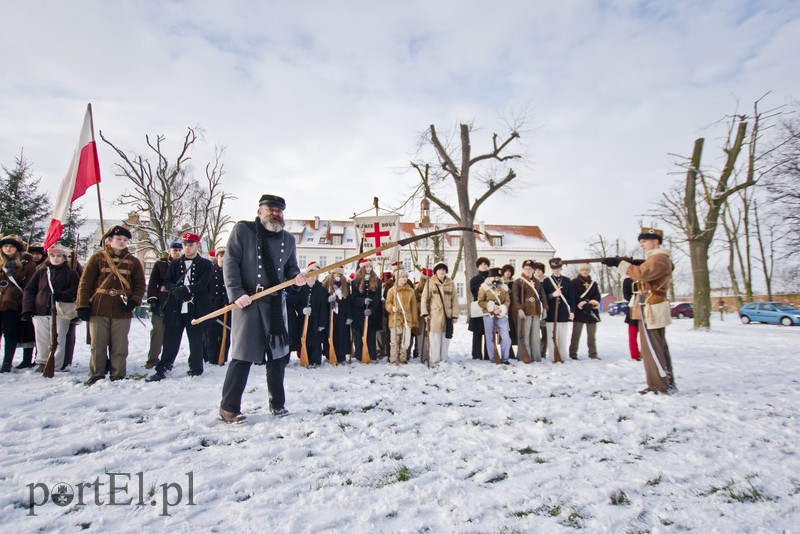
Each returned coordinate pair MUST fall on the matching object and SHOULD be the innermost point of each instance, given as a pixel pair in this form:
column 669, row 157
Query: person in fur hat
column 14, row 275
column 111, row 287
column 440, row 312
column 560, row 309
column 367, row 307
column 494, row 300
column 57, row 280
column 652, row 279
column 36, row 250
column 401, row 305
column 476, row 323
column 339, row 300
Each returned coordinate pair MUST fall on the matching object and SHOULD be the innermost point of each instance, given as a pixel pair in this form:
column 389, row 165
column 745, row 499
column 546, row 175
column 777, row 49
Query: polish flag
column 84, row 172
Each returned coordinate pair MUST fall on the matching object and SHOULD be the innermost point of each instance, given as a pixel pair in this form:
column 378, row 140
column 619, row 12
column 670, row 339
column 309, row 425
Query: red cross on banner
column 376, row 231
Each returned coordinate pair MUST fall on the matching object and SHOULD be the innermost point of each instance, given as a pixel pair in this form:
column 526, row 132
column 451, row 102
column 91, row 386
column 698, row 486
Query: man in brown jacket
column 111, row 286
column 401, row 304
column 651, row 307
column 528, row 306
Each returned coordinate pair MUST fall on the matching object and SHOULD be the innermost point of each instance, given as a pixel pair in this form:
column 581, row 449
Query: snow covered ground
column 467, row 447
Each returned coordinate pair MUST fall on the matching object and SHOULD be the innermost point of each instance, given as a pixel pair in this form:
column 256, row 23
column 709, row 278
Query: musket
column 364, row 347
column 303, row 346
column 50, row 366
column 556, row 352
column 494, row 342
column 601, row 260
column 322, row 270
column 221, row 358
column 332, row 359
column 524, row 354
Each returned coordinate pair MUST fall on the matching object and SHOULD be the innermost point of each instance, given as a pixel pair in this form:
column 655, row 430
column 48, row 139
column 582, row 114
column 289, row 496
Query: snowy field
column 467, row 447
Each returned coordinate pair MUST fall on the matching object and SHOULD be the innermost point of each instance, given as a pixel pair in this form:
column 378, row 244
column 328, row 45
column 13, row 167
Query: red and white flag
column 84, row 172
column 372, row 232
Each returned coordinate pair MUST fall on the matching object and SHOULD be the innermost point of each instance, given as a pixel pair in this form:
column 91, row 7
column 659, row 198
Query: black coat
column 219, row 296
column 588, row 314
column 36, row 295
column 564, row 309
column 199, row 289
column 627, row 294
column 316, row 298
column 156, row 282
column 360, row 306
column 476, row 323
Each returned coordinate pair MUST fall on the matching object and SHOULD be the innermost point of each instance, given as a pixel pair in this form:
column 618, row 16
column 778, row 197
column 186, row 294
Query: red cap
column 190, row 237
column 212, row 253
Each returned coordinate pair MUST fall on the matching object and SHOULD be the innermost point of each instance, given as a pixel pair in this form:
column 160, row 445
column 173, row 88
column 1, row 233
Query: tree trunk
column 698, row 252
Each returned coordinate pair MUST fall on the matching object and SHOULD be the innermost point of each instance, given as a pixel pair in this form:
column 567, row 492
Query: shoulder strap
column 114, row 270
column 587, row 289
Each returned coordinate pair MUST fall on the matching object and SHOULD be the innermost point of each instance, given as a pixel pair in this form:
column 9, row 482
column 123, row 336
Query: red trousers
column 633, row 341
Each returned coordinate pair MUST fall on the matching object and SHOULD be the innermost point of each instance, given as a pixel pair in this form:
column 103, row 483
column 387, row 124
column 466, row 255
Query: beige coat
column 406, row 297
column 651, row 282
column 487, row 299
column 439, row 300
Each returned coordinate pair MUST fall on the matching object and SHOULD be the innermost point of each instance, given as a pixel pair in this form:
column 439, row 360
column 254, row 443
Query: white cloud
column 324, row 101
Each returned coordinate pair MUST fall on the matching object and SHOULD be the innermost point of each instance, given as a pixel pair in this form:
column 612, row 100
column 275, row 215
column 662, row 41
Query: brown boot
column 231, row 417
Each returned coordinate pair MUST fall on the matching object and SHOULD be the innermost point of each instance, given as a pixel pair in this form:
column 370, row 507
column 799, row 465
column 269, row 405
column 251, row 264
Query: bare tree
column 784, row 185
column 469, row 171
column 166, row 196
column 695, row 209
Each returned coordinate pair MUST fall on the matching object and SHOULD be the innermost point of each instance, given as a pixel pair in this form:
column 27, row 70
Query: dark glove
column 637, row 262
column 332, row 299
column 130, row 305
column 27, row 316
column 84, row 313
column 181, row 293
column 367, row 301
column 153, row 306
column 612, row 261
column 306, row 311
column 367, row 312
column 58, row 295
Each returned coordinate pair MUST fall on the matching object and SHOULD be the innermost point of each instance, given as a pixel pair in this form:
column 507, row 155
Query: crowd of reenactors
column 337, row 318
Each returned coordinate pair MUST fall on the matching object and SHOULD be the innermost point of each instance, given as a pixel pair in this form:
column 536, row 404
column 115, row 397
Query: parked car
column 770, row 312
column 618, row 308
column 679, row 310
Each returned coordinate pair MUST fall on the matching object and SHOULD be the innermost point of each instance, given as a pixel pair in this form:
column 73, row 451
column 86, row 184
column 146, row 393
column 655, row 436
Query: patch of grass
column 396, row 456
column 664, row 521
column 655, row 481
column 574, row 520
column 543, row 420
column 539, row 460
column 618, row 498
column 734, row 492
column 85, row 526
column 527, row 450
column 332, row 410
column 368, row 408
column 87, row 450
column 554, row 510
column 402, row 474
column 622, row 418
column 206, row 443
column 523, row 513
column 605, row 441
column 497, row 478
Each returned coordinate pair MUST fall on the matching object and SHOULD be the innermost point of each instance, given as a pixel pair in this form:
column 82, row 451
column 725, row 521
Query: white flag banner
column 376, row 231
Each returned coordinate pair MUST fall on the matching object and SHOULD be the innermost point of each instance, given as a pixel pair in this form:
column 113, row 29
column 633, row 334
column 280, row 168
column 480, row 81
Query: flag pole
column 99, row 200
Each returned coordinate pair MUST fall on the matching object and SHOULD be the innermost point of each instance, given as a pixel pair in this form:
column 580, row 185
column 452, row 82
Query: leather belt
column 112, row 292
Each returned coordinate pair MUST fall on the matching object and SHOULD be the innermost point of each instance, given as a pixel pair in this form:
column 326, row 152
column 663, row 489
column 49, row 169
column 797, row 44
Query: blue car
column 770, row 312
column 618, row 308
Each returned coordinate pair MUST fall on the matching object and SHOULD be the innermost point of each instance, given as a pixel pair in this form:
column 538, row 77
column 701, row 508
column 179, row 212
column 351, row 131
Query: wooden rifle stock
column 364, row 348
column 599, row 260
column 332, row 359
column 523, row 347
column 50, row 366
column 221, row 359
column 494, row 342
column 556, row 352
column 303, row 347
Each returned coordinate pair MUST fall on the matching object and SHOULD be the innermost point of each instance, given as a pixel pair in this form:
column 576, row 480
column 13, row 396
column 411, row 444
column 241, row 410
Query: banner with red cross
column 376, row 231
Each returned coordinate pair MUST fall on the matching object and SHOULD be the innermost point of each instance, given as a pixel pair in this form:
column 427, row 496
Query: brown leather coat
column 100, row 290
column 531, row 300
column 652, row 278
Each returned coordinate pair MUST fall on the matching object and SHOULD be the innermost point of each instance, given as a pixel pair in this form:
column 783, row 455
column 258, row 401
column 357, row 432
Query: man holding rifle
column 651, row 307
column 259, row 254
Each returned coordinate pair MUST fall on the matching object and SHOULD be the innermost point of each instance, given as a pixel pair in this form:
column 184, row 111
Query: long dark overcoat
column 241, row 269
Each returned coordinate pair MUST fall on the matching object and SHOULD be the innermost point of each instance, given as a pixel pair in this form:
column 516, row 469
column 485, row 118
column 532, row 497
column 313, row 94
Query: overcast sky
column 325, row 102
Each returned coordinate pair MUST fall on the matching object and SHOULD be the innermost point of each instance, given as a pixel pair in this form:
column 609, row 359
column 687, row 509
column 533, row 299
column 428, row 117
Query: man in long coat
column 653, row 277
column 259, row 255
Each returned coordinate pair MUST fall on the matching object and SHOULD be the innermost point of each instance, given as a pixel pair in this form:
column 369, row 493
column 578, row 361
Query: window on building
column 455, row 240
column 323, row 261
column 337, row 239
column 407, row 265
column 337, row 259
column 513, row 262
column 301, row 261
column 459, row 289
column 497, row 241
column 323, row 240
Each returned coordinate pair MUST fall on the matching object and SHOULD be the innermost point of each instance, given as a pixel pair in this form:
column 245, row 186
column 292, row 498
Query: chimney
column 482, row 227
column 316, row 222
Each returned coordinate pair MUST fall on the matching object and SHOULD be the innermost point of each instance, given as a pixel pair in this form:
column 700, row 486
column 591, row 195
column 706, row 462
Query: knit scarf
column 278, row 340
